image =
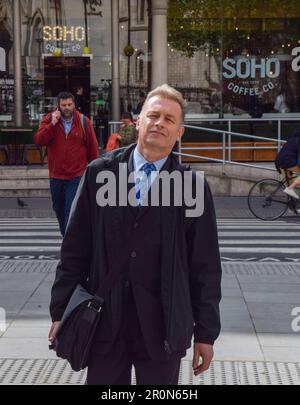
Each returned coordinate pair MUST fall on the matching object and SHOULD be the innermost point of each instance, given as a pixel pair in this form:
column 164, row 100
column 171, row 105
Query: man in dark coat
column 287, row 163
column 81, row 102
column 169, row 290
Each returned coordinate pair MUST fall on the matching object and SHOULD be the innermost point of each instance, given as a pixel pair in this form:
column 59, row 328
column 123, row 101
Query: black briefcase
column 77, row 328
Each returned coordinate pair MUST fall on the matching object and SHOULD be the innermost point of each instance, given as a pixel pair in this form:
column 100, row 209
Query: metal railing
column 114, row 126
column 227, row 136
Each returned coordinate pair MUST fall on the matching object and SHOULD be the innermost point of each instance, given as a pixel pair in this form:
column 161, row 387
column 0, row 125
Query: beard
column 67, row 114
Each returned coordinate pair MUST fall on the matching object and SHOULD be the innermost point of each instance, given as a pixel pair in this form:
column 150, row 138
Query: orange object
column 112, row 143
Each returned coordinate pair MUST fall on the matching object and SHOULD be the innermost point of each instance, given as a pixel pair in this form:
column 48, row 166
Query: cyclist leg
column 286, row 176
column 296, row 180
column 292, row 181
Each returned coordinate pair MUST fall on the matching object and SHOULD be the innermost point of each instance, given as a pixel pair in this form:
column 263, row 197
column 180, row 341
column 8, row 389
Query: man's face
column 159, row 125
column 67, row 107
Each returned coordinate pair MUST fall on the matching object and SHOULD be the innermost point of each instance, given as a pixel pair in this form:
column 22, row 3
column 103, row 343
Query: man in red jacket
column 71, row 144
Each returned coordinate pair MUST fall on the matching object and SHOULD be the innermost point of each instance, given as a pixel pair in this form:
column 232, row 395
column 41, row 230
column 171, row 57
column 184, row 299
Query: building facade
column 229, row 58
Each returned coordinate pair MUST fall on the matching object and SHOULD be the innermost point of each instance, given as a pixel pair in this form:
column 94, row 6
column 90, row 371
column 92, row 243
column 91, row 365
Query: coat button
column 133, row 254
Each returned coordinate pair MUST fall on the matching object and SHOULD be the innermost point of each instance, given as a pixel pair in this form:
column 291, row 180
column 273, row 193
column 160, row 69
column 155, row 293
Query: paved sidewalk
column 257, row 344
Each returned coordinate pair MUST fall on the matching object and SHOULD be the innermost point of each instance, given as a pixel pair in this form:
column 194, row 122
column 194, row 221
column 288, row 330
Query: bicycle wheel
column 266, row 199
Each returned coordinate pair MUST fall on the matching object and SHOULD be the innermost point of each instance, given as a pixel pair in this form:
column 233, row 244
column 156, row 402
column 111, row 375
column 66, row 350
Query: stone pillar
column 115, row 60
column 17, row 64
column 159, row 71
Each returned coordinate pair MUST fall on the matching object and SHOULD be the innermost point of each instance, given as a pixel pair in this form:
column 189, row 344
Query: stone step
column 34, row 182
column 24, row 181
column 18, row 183
column 238, row 172
column 225, row 186
column 23, row 171
column 25, row 193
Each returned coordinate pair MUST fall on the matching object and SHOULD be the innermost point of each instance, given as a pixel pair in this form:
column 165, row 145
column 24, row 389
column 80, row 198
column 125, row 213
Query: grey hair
column 169, row 93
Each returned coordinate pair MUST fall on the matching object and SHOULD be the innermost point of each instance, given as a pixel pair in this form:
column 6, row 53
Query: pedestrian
column 284, row 102
column 81, row 103
column 71, row 145
column 127, row 133
column 169, row 290
column 287, row 163
column 142, row 98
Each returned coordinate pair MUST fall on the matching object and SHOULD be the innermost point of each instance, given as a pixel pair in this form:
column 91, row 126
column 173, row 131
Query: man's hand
column 55, row 117
column 206, row 352
column 53, row 332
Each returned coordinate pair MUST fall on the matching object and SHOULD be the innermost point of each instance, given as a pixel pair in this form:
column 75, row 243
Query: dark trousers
column 63, row 193
column 114, row 367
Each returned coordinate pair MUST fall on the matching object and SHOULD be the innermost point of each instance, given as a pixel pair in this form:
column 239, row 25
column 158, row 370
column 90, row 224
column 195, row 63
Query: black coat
column 288, row 154
column 191, row 276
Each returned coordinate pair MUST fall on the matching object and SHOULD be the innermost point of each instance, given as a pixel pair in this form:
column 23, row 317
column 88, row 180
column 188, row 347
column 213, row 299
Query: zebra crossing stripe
column 236, row 236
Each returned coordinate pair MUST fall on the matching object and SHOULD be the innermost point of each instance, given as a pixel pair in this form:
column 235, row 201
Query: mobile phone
column 58, row 109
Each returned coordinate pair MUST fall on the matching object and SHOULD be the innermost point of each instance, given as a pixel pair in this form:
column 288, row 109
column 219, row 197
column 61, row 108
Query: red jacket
column 67, row 156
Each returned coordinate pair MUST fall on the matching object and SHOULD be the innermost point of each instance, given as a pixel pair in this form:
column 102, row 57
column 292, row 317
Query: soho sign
column 247, row 69
column 63, row 33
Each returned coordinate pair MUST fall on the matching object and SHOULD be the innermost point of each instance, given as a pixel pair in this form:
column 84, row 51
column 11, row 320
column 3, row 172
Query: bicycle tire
column 267, row 201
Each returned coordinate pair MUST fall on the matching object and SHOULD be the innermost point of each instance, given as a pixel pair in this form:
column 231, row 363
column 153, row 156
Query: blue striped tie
column 146, row 168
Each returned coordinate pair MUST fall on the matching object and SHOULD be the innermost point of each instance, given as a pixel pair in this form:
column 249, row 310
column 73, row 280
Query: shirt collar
column 67, row 121
column 139, row 161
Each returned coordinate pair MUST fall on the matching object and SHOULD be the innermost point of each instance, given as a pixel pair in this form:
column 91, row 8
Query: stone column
column 159, row 71
column 17, row 64
column 115, row 60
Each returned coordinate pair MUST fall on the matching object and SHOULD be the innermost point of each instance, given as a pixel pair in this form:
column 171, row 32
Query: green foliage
column 262, row 25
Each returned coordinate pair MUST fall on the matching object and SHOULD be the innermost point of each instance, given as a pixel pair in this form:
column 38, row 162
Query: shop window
column 236, row 59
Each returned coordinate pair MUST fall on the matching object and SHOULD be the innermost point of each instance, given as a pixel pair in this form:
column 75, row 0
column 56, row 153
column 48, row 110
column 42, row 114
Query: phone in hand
column 58, row 110
column 56, row 116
